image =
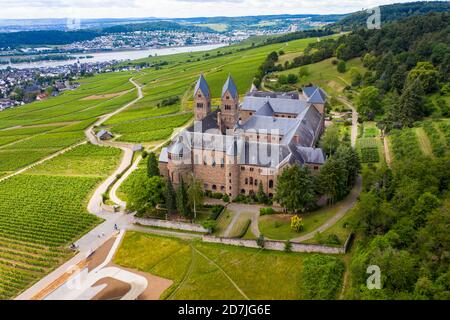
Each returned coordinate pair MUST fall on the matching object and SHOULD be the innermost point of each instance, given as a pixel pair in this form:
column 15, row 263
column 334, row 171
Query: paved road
column 239, row 210
column 103, row 232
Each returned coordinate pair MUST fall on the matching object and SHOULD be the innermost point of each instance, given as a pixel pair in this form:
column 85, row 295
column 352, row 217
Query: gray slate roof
column 268, row 123
column 101, row 133
column 279, row 105
column 164, row 155
column 230, row 86
column 315, row 94
column 202, row 85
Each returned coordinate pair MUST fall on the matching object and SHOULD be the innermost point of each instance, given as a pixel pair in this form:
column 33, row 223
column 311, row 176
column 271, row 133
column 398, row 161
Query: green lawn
column 203, row 271
column 278, row 227
column 325, row 75
column 223, row 221
column 341, row 229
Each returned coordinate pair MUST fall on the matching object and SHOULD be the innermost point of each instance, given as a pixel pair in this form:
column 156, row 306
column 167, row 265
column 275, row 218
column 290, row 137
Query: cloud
column 176, row 8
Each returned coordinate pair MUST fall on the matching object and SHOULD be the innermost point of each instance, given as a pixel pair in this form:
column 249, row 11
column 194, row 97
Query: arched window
column 271, row 184
column 214, row 187
column 242, row 191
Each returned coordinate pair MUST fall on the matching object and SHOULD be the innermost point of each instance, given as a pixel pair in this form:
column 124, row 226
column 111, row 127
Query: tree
column 356, row 77
column 294, row 189
column 152, row 166
column 195, row 194
column 146, row 193
column 327, row 180
column 427, row 75
column 410, row 107
column 303, row 72
column 261, row 195
column 183, row 201
column 342, row 67
column 330, row 140
column 368, row 102
column 426, row 203
column 292, row 78
column 171, row 197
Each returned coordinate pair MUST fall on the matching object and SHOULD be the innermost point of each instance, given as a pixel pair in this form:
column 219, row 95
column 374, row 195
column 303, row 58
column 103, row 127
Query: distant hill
column 155, row 26
column 58, row 37
column 391, row 13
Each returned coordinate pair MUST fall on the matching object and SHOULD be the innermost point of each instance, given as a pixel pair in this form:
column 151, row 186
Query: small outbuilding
column 104, row 135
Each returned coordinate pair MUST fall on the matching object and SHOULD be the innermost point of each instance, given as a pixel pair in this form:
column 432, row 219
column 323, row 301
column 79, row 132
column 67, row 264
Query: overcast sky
column 26, row 9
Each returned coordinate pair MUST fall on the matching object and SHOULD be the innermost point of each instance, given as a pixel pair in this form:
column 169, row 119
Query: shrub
column 322, row 277
column 288, row 246
column 266, row 211
column 216, row 195
column 210, row 224
column 261, row 241
column 216, row 211
column 297, row 223
column 226, row 198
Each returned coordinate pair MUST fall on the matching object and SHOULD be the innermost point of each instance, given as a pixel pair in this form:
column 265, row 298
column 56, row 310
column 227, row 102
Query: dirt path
column 346, row 205
column 387, row 151
column 355, row 116
column 224, row 273
column 60, row 152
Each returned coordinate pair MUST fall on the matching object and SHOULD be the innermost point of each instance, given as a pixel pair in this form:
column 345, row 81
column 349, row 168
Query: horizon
column 177, row 9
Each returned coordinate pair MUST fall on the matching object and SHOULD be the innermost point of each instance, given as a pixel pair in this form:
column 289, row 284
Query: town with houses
column 21, row 86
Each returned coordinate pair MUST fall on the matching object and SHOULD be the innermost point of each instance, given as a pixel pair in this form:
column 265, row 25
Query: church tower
column 202, row 99
column 230, row 104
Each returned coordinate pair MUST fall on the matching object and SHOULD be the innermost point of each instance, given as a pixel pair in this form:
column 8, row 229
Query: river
column 114, row 55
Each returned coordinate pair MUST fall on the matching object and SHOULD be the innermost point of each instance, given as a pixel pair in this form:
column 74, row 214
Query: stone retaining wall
column 276, row 245
column 171, row 225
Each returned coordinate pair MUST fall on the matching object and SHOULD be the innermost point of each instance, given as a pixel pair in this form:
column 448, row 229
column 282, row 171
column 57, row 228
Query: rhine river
column 114, row 55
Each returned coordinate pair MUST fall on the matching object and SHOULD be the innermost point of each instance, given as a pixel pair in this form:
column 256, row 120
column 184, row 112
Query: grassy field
column 278, row 227
column 43, row 211
column 208, row 271
column 325, row 75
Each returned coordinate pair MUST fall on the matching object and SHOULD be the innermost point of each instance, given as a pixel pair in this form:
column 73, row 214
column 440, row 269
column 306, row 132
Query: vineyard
column 151, row 130
column 444, row 127
column 369, row 150
column 43, row 211
column 86, row 160
column 437, row 144
column 39, row 217
column 405, row 144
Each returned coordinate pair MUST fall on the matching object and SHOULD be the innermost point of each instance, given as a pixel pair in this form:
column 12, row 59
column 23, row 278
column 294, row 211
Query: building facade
column 240, row 145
